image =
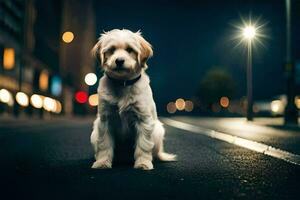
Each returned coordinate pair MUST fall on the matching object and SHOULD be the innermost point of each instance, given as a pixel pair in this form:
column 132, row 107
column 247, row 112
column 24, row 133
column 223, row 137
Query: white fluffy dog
column 126, row 107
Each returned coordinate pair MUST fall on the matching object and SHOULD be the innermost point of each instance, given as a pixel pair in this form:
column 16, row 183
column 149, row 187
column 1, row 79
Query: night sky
column 189, row 38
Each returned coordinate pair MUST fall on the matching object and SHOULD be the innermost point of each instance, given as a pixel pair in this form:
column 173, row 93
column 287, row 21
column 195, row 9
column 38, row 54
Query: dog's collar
column 123, row 83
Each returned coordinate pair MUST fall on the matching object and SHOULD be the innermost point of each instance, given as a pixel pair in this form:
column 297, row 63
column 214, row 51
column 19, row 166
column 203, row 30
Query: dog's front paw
column 143, row 164
column 105, row 164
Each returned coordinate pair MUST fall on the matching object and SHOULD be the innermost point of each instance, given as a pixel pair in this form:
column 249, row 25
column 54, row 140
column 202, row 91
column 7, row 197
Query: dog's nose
column 119, row 61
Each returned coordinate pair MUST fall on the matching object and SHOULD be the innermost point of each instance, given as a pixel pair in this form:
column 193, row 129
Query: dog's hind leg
column 102, row 144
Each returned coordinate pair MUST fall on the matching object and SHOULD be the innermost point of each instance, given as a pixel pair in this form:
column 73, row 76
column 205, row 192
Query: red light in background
column 81, row 97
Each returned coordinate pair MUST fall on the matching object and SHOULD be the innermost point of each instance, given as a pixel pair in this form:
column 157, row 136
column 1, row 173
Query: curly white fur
column 122, row 109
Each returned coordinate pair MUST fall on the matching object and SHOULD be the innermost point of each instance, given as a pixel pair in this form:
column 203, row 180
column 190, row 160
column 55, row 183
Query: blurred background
column 46, row 69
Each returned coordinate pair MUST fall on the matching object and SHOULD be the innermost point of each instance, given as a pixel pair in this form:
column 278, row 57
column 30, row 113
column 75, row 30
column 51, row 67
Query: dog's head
column 122, row 54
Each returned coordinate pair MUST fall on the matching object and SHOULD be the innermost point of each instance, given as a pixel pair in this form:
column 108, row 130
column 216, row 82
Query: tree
column 216, row 83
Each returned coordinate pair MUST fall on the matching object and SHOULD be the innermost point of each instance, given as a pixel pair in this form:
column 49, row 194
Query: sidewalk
column 270, row 131
column 9, row 120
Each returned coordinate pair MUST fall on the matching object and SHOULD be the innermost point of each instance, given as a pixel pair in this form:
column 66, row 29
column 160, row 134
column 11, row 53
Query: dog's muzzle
column 119, row 64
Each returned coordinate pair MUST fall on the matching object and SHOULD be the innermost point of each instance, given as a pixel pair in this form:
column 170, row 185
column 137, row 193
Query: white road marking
column 245, row 143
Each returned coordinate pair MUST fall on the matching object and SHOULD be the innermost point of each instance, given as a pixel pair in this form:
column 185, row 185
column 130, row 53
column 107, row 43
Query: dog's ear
column 146, row 50
column 96, row 52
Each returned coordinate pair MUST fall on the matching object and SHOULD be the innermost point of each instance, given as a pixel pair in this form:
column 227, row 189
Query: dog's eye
column 111, row 50
column 129, row 50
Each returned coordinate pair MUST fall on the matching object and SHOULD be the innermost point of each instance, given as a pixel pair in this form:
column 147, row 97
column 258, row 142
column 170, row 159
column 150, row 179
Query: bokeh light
column 36, row 101
column 56, row 85
column 171, row 107
column 224, row 102
column 90, row 79
column 22, row 99
column 8, row 58
column 93, row 100
column 277, row 107
column 67, row 36
column 49, row 104
column 6, row 97
column 58, row 107
column 297, row 102
column 81, row 97
column 44, row 80
column 189, row 106
column 180, row 104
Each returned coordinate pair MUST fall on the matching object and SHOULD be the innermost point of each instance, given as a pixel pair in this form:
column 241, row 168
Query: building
column 42, row 67
column 75, row 58
column 11, row 49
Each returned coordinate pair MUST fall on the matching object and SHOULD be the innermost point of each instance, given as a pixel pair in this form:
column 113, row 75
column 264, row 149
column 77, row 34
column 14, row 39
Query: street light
column 249, row 33
column 291, row 111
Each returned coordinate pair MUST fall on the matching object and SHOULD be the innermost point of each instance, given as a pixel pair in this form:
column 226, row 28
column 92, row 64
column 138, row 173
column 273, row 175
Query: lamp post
column 291, row 112
column 249, row 33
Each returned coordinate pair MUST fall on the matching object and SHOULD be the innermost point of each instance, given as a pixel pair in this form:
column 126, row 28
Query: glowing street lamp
column 250, row 33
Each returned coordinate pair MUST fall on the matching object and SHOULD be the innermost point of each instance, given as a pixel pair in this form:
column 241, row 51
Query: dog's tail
column 158, row 137
column 163, row 156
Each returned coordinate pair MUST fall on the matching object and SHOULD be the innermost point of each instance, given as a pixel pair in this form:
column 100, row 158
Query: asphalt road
column 52, row 160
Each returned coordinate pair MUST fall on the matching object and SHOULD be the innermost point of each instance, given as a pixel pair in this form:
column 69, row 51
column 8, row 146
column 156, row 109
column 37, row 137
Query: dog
column 126, row 109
